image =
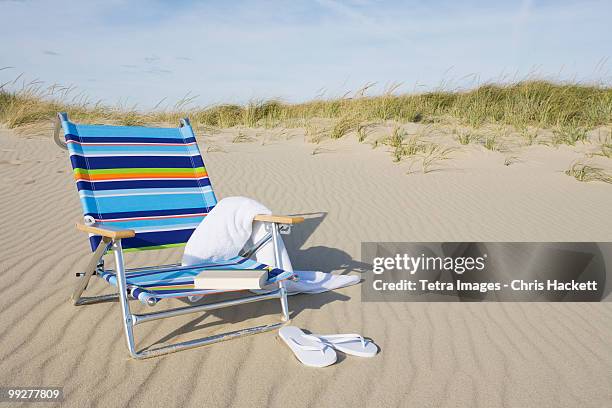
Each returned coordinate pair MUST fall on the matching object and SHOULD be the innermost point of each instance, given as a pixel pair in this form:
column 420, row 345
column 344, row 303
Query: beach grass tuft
column 463, row 136
column 530, row 135
column 314, row 133
column 605, row 150
column 605, row 143
column 402, row 144
column 363, row 131
column 489, row 142
column 433, row 154
column 569, row 134
column 585, row 172
column 343, row 126
column 396, row 141
column 242, row 137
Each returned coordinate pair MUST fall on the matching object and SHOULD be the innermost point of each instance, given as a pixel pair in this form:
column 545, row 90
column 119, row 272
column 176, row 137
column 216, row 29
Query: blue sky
column 138, row 52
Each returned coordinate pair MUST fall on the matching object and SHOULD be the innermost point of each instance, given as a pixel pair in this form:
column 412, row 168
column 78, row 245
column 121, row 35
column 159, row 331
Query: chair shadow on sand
column 314, row 258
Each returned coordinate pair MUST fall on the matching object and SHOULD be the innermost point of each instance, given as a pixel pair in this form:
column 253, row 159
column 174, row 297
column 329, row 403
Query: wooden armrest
column 279, row 219
column 106, row 231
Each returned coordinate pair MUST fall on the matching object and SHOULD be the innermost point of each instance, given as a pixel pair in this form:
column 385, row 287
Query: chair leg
column 90, row 268
column 279, row 264
column 128, row 319
column 284, row 302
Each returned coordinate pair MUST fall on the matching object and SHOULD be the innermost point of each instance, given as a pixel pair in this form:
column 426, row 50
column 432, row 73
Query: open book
column 231, row 279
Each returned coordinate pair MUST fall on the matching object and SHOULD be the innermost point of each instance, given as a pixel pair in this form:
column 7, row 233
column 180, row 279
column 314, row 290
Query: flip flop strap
column 320, row 346
column 343, row 338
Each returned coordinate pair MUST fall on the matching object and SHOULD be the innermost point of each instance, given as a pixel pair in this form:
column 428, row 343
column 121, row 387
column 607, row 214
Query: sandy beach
column 431, row 354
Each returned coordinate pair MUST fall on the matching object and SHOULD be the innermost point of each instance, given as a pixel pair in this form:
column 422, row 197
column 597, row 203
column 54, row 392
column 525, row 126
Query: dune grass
column 530, row 135
column 585, row 172
column 489, row 142
column 433, row 154
column 569, row 134
column 242, row 138
column 342, row 126
column 605, row 150
column 569, row 108
column 314, row 133
column 463, row 136
column 415, row 146
column 363, row 131
column 401, row 144
column 605, row 144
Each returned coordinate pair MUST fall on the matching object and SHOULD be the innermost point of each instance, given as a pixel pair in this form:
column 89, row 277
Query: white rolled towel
column 318, row 282
column 229, row 227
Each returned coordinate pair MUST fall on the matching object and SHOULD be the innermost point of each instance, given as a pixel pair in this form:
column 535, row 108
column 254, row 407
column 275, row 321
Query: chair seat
column 155, row 283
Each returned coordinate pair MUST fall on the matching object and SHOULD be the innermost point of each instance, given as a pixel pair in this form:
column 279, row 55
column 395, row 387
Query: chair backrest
column 151, row 180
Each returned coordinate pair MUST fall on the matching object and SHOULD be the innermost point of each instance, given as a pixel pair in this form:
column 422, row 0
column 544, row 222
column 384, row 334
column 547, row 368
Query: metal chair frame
column 130, row 319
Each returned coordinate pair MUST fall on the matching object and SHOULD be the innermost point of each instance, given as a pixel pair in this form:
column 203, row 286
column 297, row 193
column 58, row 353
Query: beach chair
column 147, row 188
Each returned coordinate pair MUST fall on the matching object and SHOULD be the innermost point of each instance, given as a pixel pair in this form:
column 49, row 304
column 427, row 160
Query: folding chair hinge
column 99, row 269
column 81, row 274
column 282, row 228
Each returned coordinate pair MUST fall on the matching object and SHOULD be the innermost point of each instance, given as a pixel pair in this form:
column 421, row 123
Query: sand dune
column 432, row 354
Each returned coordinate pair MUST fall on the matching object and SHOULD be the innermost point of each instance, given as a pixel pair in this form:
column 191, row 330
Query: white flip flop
column 353, row 344
column 310, row 350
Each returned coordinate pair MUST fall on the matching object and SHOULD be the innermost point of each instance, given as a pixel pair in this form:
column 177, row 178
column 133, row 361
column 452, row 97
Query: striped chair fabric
column 173, row 282
column 150, row 180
